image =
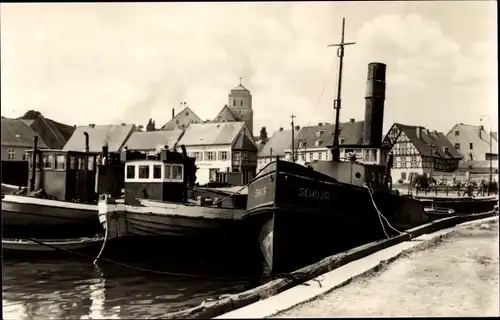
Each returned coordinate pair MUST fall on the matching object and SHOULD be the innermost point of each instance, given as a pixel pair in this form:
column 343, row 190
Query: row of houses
column 416, row 149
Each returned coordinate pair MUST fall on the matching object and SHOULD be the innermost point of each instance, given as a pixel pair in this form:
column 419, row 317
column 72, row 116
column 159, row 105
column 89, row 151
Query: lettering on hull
column 309, row 193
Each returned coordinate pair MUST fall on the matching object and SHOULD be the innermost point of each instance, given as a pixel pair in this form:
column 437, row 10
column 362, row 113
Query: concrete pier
column 453, row 272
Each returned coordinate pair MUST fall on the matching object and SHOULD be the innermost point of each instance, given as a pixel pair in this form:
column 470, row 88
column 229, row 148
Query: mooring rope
column 381, row 216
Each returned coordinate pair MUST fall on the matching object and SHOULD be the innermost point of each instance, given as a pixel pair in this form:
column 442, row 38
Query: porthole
column 357, row 175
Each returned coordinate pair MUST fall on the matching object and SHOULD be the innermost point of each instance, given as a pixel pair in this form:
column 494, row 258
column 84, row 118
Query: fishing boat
column 433, row 212
column 156, row 202
column 61, row 198
column 464, row 205
column 51, row 245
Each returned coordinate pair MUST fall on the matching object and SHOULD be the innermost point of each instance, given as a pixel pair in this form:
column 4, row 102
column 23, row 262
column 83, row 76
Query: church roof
column 240, row 87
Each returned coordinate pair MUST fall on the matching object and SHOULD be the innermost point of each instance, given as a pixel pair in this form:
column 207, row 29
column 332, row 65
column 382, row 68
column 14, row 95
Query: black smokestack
column 86, row 134
column 374, row 104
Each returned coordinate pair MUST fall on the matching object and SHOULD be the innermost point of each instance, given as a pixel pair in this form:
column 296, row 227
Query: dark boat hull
column 300, row 215
column 41, row 218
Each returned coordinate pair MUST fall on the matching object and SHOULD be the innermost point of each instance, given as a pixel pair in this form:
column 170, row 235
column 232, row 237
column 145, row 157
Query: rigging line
column 333, row 64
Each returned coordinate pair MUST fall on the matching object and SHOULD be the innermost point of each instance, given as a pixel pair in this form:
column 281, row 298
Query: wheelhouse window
column 48, row 161
column 81, row 164
column 156, row 171
column 90, row 163
column 130, row 171
column 144, row 172
column 72, row 163
column 168, row 171
column 177, row 172
column 60, row 163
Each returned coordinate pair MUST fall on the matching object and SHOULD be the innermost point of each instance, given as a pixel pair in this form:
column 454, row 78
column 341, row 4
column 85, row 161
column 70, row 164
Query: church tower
column 240, row 104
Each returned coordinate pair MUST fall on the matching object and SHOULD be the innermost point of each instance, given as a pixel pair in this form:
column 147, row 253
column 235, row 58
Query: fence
column 459, row 191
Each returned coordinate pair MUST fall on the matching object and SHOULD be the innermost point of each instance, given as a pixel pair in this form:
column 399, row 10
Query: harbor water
column 76, row 289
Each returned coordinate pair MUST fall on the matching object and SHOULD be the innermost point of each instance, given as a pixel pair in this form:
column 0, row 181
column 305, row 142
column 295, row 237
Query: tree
column 263, row 135
column 151, row 125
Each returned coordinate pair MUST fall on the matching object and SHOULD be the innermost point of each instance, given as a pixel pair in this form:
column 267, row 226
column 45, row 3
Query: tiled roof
column 178, row 120
column 351, row 133
column 114, row 135
column 428, row 138
column 279, row 142
column 16, row 133
column 211, row 133
column 149, row 140
column 471, row 133
column 244, row 143
column 226, row 114
column 54, row 134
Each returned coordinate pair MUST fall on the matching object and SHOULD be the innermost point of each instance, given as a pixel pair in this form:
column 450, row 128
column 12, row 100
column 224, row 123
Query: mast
column 337, row 102
column 293, row 139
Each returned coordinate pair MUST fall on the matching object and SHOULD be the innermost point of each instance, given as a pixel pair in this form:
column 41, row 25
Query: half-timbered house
column 418, row 150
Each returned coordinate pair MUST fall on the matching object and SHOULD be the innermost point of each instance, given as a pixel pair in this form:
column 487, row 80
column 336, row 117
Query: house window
column 457, row 146
column 48, row 160
column 403, row 176
column 130, row 172
column 311, row 156
column 60, row 162
column 198, row 155
column 470, row 145
column 143, row 172
column 457, row 133
column 320, row 155
column 209, row 155
column 318, row 143
column 234, row 103
column 241, row 102
column 156, row 171
column 11, row 154
column 341, row 140
column 26, row 155
column 177, row 172
column 223, row 155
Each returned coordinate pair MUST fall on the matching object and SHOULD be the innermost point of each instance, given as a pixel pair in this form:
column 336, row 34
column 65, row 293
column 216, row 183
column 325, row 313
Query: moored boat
column 302, row 214
column 52, row 245
column 62, row 193
column 156, row 202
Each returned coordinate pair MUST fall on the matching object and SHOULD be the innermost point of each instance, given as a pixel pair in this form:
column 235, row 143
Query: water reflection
column 78, row 290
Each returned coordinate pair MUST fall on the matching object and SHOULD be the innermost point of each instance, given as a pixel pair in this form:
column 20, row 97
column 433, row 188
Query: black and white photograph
column 272, row 159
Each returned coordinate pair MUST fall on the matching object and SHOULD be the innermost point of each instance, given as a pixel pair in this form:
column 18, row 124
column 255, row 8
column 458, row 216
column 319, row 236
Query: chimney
column 92, row 125
column 481, row 128
column 320, row 124
column 351, row 120
column 419, row 132
column 173, row 113
column 281, row 129
column 297, row 128
column 86, row 134
column 374, row 104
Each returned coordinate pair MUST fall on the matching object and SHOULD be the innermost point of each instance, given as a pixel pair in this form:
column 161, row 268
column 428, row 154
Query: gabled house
column 418, row 150
column 473, row 142
column 314, row 142
column 182, row 120
column 221, row 148
column 274, row 147
column 149, row 141
column 17, row 138
column 54, row 134
column 114, row 136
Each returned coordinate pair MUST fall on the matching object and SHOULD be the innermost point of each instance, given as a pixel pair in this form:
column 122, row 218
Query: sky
column 102, row 63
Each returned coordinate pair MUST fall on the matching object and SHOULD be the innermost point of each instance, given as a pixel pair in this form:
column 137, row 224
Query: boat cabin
column 373, row 169
column 163, row 177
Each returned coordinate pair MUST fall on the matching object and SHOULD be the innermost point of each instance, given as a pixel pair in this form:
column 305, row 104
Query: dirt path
column 458, row 276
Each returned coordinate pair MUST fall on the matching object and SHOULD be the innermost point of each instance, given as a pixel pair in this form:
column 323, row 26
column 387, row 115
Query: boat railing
column 458, row 190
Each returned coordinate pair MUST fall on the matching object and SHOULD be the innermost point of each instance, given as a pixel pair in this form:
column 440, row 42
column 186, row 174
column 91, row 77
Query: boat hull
column 300, row 216
column 466, row 205
column 41, row 218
